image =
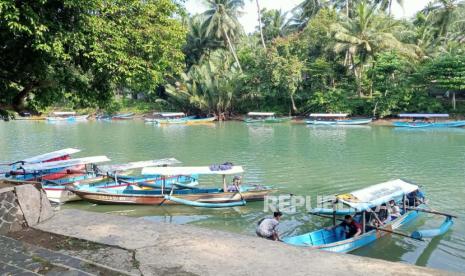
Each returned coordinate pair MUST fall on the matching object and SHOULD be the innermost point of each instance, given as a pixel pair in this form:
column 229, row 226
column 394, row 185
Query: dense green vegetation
column 324, row 56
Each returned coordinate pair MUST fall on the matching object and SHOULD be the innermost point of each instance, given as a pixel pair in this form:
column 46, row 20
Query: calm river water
column 292, row 157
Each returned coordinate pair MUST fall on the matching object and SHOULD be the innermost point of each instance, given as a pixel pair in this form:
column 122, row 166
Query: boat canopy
column 261, row 114
column 375, row 195
column 50, row 155
column 422, row 115
column 167, row 171
column 169, row 114
column 65, row 163
column 64, row 113
column 329, row 115
column 139, row 164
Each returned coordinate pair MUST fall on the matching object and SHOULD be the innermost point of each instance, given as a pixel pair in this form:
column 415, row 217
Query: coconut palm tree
column 221, row 22
column 443, row 13
column 274, row 24
column 208, row 87
column 387, row 4
column 365, row 35
column 260, row 27
column 198, row 44
column 303, row 12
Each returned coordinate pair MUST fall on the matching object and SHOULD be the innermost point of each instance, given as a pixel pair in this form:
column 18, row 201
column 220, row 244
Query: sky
column 249, row 17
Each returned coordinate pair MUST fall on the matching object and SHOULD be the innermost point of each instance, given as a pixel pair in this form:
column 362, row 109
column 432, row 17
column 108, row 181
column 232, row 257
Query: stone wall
column 22, row 205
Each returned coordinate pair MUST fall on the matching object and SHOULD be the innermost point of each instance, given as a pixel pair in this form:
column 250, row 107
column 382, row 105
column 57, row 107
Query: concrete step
column 19, row 258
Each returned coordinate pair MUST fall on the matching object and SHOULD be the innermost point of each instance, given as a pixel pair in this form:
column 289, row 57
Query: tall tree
column 443, row 13
column 83, row 50
column 221, row 22
column 274, row 24
column 260, row 26
column 365, row 35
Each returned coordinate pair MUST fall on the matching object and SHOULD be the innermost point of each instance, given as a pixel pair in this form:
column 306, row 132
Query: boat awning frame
column 261, row 114
column 139, row 164
column 422, row 115
column 64, row 163
column 64, row 113
column 168, row 171
column 329, row 115
column 49, row 155
column 364, row 199
column 169, row 114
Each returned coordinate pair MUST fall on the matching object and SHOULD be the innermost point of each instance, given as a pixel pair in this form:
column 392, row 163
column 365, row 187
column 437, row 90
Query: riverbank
column 161, row 249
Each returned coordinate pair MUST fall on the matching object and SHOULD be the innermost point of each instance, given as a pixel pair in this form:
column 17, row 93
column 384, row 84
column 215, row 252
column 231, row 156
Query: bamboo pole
column 432, row 212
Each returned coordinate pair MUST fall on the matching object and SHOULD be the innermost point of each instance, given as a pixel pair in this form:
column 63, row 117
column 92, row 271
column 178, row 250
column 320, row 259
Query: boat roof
column 50, row 155
column 189, row 170
column 65, row 163
column 376, row 195
column 261, row 113
column 62, row 113
column 422, row 115
column 139, row 164
column 169, row 114
column 331, row 115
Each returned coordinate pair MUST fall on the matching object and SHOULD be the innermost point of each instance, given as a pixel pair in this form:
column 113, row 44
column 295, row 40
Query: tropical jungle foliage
column 322, row 56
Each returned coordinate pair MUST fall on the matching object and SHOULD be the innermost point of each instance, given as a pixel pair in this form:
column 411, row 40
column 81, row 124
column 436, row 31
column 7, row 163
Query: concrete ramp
column 166, row 249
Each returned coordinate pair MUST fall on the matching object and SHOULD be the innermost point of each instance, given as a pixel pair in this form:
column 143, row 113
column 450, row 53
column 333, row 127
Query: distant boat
column 265, row 117
column 162, row 118
column 125, row 116
column 335, row 119
column 60, row 116
column 360, row 203
column 419, row 120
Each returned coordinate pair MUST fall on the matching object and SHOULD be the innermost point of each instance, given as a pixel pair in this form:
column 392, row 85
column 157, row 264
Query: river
column 294, row 158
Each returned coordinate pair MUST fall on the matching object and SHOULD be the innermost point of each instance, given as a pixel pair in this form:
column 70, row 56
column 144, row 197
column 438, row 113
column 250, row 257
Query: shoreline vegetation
column 321, row 57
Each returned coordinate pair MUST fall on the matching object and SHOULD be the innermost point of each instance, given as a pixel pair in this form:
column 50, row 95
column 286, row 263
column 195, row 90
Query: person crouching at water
column 267, row 227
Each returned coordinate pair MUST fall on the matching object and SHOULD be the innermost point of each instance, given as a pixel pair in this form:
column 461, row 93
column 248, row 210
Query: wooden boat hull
column 60, row 194
column 429, row 124
column 201, row 120
column 268, row 120
column 146, row 199
column 340, row 122
column 348, row 245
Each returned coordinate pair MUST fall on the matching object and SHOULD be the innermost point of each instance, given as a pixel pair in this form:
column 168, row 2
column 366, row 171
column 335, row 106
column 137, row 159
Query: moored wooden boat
column 191, row 196
column 66, row 116
column 361, row 203
column 335, row 119
column 426, row 121
column 125, row 116
column 265, row 117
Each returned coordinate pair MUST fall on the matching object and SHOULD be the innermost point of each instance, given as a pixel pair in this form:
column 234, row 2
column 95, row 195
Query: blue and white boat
column 360, row 203
column 335, row 119
column 426, row 121
column 65, row 116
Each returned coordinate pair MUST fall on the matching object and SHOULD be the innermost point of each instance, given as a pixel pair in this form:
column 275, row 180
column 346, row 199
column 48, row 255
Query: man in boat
column 267, row 227
column 395, row 210
column 235, row 186
column 415, row 198
column 351, row 228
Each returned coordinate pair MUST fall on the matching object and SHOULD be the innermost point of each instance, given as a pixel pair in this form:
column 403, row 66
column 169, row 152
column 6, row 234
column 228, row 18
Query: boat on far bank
column 63, row 116
column 162, row 118
column 426, row 120
column 124, row 116
column 265, row 117
column 335, row 119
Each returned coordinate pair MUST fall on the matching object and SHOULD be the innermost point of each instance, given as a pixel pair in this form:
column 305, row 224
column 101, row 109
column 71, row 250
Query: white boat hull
column 60, row 195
